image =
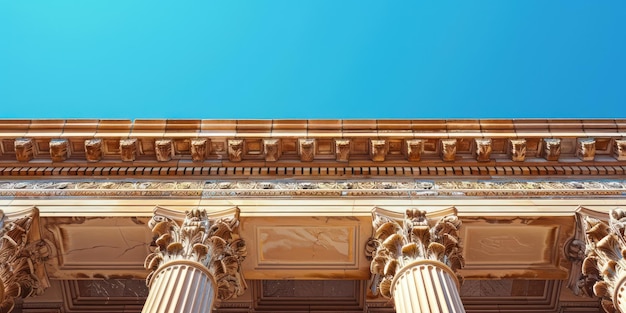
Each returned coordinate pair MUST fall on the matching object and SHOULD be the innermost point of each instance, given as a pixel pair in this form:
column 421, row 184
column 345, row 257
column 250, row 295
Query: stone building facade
column 312, row 215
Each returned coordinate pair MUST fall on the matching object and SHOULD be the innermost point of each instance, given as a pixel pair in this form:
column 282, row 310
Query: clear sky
column 313, row 59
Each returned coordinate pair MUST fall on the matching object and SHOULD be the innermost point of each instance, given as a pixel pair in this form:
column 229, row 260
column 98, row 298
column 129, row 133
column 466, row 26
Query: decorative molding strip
column 328, row 188
column 290, row 171
column 406, row 142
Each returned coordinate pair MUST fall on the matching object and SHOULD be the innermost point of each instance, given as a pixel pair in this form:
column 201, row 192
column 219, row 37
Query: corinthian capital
column 22, row 256
column 400, row 241
column 211, row 241
column 604, row 265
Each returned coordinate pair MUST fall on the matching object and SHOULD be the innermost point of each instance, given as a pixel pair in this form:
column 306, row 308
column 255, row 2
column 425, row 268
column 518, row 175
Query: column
column 196, row 264
column 22, row 256
column 414, row 263
column 426, row 286
column 187, row 287
column 604, row 267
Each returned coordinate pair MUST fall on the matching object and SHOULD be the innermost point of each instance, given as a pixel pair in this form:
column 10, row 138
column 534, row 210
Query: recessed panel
column 115, row 245
column 306, row 245
column 509, row 245
column 96, row 247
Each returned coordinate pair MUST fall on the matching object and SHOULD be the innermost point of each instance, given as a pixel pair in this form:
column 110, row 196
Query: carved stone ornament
column 24, row 149
column 574, row 251
column 483, row 149
column 22, row 257
column 604, row 266
column 619, row 150
column 213, row 242
column 164, row 149
column 235, row 150
column 397, row 244
column 59, row 150
column 414, row 149
column 552, row 149
column 586, row 149
column 448, row 150
column 128, row 149
column 93, row 150
column 378, row 150
column 342, row 150
column 200, row 149
column 306, row 149
column 518, row 150
column 272, row 149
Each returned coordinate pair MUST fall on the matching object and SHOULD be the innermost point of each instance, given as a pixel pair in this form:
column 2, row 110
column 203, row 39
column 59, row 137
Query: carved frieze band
column 301, row 188
column 22, row 257
column 199, row 149
column 604, row 267
column 210, row 241
column 417, row 236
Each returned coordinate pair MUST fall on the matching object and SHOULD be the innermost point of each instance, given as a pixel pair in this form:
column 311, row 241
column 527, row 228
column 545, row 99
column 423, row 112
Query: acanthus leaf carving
column 483, row 149
column 93, row 150
column 164, row 149
column 586, row 149
column 128, row 149
column 200, row 149
column 448, row 149
column 414, row 149
column 306, row 149
column 604, row 267
column 22, row 257
column 552, row 149
column 518, row 150
column 397, row 244
column 235, row 150
column 59, row 149
column 213, row 242
column 24, row 149
column 575, row 248
column 342, row 150
column 378, row 149
column 619, row 149
column 272, row 149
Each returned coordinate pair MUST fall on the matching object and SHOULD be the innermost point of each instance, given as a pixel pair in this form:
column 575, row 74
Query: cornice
column 323, row 148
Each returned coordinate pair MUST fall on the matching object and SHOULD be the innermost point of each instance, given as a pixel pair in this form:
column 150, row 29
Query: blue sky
column 313, row 59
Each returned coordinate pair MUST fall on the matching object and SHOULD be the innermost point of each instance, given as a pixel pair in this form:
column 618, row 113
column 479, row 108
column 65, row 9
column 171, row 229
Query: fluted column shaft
column 426, row 286
column 181, row 286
